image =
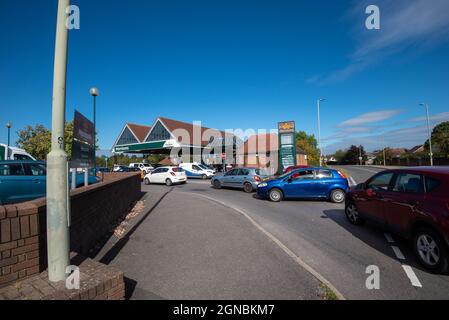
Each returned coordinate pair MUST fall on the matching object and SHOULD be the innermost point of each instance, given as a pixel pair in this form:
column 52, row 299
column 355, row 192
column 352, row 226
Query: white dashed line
column 412, row 276
column 389, row 238
column 398, row 253
column 352, row 182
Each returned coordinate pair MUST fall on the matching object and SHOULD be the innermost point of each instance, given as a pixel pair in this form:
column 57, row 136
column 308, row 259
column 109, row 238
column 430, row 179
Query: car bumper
column 262, row 193
column 179, row 179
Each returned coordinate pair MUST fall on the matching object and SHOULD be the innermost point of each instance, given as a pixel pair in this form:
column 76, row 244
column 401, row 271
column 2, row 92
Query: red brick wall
column 95, row 210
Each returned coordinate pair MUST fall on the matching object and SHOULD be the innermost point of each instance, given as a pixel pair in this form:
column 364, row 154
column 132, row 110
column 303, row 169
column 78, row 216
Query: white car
column 142, row 166
column 167, row 175
column 196, row 170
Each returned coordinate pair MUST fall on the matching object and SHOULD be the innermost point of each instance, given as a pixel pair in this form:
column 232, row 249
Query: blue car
column 310, row 183
column 25, row 180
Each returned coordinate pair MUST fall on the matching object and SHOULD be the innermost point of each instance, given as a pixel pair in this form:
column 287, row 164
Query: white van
column 197, row 170
column 14, row 153
column 142, row 166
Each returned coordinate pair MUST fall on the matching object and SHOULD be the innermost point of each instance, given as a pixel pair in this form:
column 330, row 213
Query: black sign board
column 287, row 144
column 83, row 153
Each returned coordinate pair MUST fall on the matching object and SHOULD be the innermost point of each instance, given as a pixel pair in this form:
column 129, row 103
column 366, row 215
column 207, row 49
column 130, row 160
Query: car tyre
column 248, row 187
column 204, row 177
column 338, row 196
column 217, row 184
column 352, row 214
column 275, row 195
column 146, row 181
column 431, row 251
column 168, row 182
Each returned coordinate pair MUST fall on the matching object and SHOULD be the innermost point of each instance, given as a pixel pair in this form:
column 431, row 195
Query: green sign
column 287, row 145
column 140, row 146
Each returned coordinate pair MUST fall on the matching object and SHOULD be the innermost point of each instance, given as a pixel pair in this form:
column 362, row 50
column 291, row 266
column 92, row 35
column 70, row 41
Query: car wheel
column 338, row 196
column 352, row 214
column 168, row 182
column 431, row 251
column 147, row 181
column 275, row 195
column 204, row 177
column 248, row 187
column 217, row 184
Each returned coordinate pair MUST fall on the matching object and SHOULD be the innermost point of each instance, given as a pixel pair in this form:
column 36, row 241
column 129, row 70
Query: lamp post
column 319, row 129
column 9, row 126
column 57, row 166
column 383, row 151
column 95, row 93
column 425, row 105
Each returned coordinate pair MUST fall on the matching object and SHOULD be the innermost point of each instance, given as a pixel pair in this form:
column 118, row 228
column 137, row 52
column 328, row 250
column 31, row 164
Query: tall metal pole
column 428, row 130
column 94, row 93
column 57, row 171
column 383, row 139
column 8, row 125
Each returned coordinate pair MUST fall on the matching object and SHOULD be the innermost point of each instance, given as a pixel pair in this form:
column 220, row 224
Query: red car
column 413, row 203
column 289, row 169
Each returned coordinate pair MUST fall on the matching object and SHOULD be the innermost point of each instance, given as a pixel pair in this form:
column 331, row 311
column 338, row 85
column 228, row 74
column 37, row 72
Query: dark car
column 413, row 203
column 311, row 183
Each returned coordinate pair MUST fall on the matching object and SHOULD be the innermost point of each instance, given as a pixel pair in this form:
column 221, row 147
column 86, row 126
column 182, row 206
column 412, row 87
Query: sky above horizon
column 235, row 65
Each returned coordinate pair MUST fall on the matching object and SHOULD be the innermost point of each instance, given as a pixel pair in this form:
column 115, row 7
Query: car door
column 300, row 184
column 156, row 176
column 324, row 179
column 36, row 172
column 240, row 178
column 402, row 202
column 229, row 177
column 14, row 185
column 370, row 201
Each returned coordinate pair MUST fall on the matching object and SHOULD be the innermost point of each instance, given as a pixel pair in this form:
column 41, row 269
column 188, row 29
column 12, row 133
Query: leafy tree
column 352, row 155
column 309, row 144
column 339, row 155
column 440, row 140
column 37, row 141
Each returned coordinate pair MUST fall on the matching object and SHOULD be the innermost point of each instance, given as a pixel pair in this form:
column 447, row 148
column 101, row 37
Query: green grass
column 328, row 293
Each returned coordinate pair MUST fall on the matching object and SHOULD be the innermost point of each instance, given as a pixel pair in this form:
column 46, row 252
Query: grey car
column 241, row 178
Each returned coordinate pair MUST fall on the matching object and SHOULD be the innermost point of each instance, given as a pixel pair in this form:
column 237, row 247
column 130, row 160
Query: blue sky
column 235, row 64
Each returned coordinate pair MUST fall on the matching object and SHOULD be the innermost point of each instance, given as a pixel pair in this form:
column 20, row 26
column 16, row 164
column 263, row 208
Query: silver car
column 241, row 178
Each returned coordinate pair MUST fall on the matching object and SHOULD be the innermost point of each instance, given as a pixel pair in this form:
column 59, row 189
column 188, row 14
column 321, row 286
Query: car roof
column 21, row 161
column 443, row 170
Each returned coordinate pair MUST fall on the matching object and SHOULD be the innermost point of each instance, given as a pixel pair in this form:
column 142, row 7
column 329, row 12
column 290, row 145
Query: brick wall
column 95, row 210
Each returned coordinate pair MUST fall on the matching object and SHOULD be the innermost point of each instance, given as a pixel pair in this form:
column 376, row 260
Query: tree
column 440, row 139
column 339, row 155
column 37, row 141
column 309, row 144
column 352, row 155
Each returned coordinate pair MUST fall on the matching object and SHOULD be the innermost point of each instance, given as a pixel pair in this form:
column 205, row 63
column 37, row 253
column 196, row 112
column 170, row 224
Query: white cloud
column 371, row 117
column 444, row 116
column 422, row 24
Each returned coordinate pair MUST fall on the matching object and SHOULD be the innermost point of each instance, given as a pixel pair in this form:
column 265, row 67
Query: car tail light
column 342, row 175
column 257, row 178
column 173, row 174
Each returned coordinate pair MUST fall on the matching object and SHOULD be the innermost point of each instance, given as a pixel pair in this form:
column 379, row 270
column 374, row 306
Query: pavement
column 197, row 243
column 185, row 247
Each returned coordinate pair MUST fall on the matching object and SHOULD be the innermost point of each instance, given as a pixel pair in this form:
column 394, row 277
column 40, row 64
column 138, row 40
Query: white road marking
column 412, row 276
column 389, row 238
column 398, row 253
column 352, row 182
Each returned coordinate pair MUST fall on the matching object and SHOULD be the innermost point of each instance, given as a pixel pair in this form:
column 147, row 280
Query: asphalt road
column 318, row 233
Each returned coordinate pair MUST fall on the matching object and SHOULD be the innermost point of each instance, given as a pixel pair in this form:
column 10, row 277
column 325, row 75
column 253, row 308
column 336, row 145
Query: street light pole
column 94, row 93
column 57, row 167
column 425, row 105
column 319, row 130
column 383, row 145
column 9, row 126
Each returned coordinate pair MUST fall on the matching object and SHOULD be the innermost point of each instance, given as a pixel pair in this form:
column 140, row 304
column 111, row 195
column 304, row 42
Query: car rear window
column 432, row 184
column 177, row 169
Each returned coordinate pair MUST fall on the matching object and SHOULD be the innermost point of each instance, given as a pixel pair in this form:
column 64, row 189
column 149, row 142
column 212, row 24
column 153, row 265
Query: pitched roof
column 140, row 131
column 172, row 125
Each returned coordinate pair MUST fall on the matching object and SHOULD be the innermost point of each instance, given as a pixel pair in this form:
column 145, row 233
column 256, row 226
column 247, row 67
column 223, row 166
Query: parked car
column 291, row 168
column 413, row 203
column 14, row 153
column 167, row 175
column 22, row 181
column 142, row 166
column 195, row 170
column 242, row 178
column 310, row 183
